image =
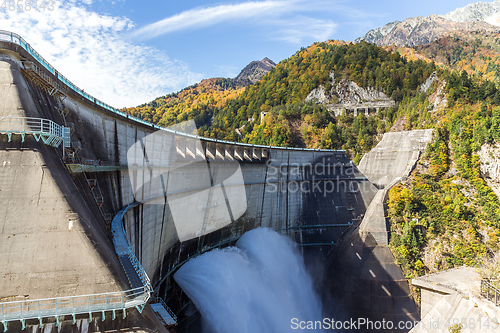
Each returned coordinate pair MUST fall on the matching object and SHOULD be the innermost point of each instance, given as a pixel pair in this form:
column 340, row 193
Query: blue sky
column 129, row 52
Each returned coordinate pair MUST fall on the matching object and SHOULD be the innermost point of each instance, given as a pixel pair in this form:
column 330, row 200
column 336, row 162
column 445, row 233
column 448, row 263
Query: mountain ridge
column 479, row 11
column 421, row 30
column 413, row 31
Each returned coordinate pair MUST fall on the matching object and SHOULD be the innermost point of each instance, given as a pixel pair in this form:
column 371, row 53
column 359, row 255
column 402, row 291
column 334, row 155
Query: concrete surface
column 392, row 159
column 50, row 242
column 389, row 159
column 452, row 297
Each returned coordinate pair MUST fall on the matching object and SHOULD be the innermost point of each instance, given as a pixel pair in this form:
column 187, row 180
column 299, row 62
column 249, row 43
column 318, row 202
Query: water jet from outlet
column 258, row 286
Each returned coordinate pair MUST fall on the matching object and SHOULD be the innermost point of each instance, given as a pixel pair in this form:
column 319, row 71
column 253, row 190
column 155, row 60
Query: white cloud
column 304, row 28
column 294, row 28
column 207, row 16
column 89, row 49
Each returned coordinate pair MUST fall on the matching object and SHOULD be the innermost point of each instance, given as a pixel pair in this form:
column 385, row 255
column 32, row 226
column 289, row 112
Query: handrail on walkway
column 490, row 292
column 72, row 305
column 50, row 132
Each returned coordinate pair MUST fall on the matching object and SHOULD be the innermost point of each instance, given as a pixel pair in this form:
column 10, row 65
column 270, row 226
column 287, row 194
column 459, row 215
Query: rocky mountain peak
column 254, row 71
column 268, row 61
column 481, row 11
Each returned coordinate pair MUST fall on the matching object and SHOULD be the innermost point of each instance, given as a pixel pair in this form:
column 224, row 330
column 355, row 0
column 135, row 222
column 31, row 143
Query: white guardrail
column 14, row 38
column 51, row 133
column 73, row 305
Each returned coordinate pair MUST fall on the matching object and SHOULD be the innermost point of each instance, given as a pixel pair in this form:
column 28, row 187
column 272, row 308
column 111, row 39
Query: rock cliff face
column 489, row 155
column 346, row 92
column 319, row 94
column 350, row 92
column 438, row 96
column 428, row 83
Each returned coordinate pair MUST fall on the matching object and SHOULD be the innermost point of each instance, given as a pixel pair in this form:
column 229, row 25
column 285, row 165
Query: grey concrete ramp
column 392, row 155
column 52, row 243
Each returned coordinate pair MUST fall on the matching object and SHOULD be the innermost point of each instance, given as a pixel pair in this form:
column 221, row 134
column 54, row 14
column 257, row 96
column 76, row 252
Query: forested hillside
column 477, row 52
column 197, row 102
column 446, row 215
column 224, row 112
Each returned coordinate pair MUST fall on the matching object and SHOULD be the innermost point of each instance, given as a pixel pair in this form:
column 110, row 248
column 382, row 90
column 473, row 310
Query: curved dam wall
column 280, row 189
column 50, row 236
column 193, row 193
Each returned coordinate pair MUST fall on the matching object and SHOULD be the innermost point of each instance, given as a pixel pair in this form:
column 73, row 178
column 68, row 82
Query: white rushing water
column 258, row 286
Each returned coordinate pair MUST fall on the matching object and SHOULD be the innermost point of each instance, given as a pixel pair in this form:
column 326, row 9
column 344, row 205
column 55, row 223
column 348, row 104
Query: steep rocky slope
column 480, row 11
column 346, row 91
column 421, row 30
column 481, row 16
column 489, row 155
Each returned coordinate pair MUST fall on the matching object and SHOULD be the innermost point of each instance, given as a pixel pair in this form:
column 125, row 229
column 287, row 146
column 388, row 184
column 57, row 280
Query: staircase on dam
column 58, row 244
column 368, row 283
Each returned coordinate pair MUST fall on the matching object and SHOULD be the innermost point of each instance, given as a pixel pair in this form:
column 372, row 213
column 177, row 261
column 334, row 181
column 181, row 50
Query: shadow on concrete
column 75, row 189
column 48, row 278
column 364, row 282
column 337, row 193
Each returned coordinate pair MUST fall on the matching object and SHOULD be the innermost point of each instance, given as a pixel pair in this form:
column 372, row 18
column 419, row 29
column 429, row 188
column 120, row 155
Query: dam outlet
column 259, row 285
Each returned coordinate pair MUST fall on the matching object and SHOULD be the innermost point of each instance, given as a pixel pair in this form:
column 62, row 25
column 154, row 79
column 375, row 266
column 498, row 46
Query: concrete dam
column 100, row 208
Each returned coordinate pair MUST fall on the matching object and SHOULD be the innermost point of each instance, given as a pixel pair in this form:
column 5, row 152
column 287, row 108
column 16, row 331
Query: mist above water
column 257, row 286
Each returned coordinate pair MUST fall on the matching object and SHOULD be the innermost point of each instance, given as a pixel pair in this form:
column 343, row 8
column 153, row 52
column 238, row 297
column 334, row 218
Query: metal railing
column 490, row 292
column 11, row 37
column 74, row 305
column 122, row 244
column 170, row 312
column 62, row 306
column 51, row 133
